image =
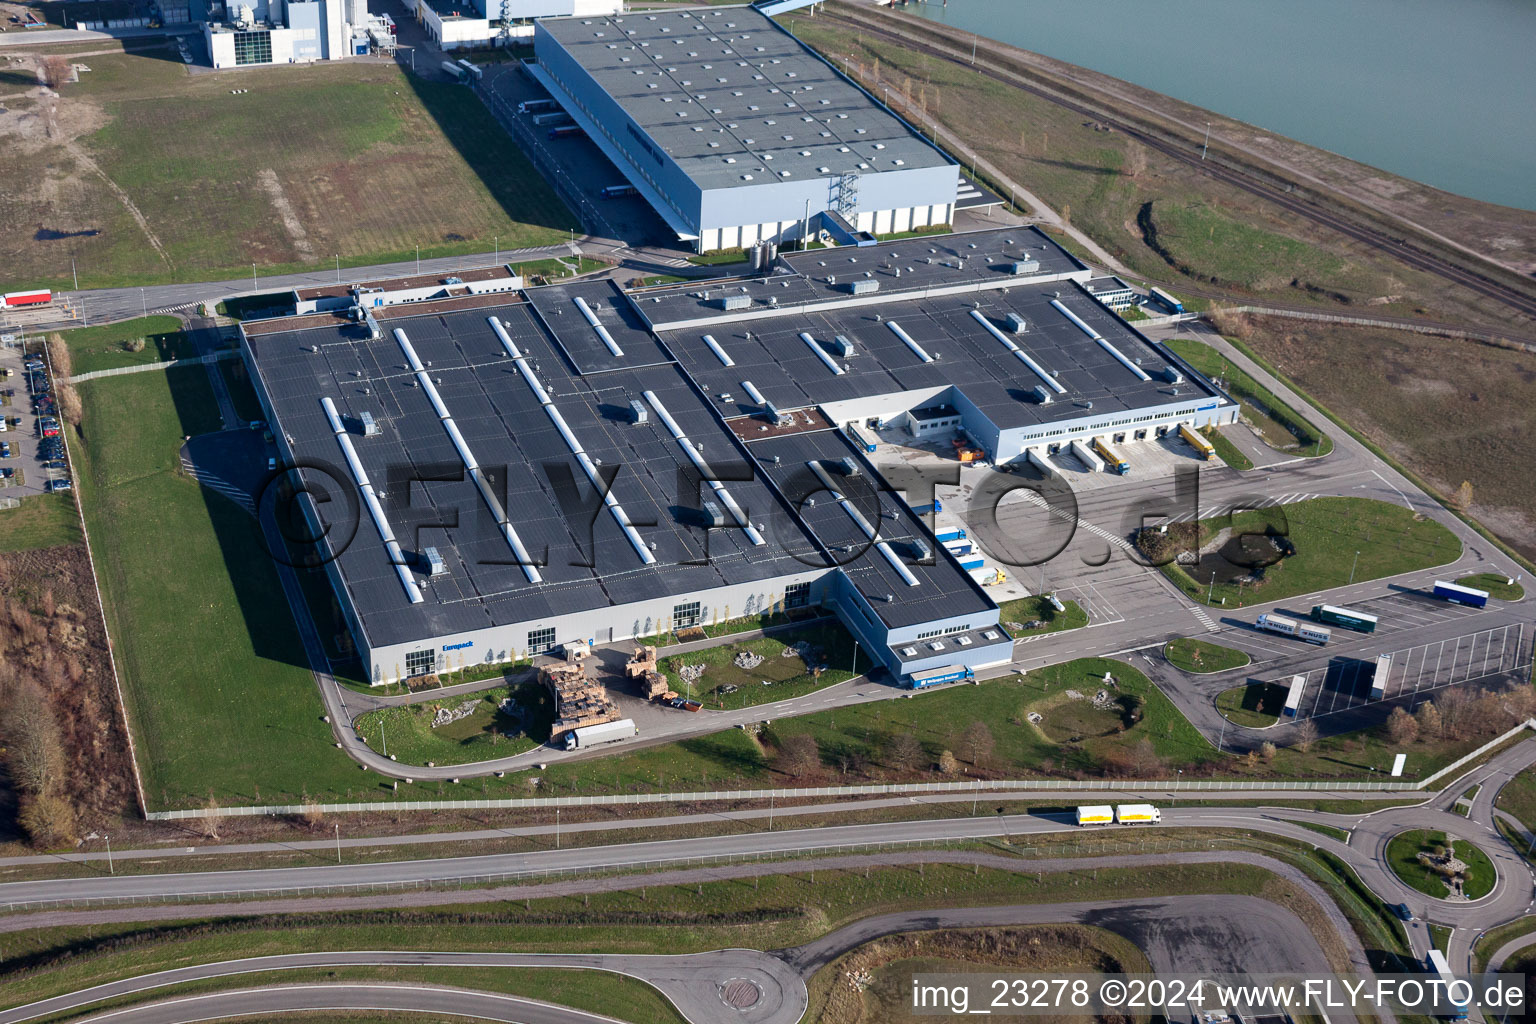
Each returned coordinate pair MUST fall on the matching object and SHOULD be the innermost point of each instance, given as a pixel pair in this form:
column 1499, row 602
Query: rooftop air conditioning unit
column 637, row 412
column 434, row 562
column 1016, row 323
column 370, row 426
column 1042, row 395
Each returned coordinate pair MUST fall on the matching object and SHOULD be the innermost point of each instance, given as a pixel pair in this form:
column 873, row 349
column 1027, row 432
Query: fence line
column 118, row 371
column 873, row 789
column 1500, row 340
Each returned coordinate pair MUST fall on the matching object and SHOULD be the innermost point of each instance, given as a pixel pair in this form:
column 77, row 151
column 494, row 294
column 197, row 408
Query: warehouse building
column 495, row 475
column 467, row 24
column 737, row 133
column 248, row 34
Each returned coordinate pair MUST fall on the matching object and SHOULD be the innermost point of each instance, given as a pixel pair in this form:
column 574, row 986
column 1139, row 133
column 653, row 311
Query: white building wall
column 221, row 47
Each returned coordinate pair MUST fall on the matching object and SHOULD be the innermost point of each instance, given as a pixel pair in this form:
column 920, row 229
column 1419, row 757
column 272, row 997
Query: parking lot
column 1480, row 648
column 1149, row 459
column 35, row 463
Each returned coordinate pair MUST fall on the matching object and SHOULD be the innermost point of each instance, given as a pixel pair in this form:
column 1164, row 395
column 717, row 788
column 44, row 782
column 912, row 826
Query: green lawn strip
column 1252, row 705
column 1132, row 314
column 1225, row 449
column 256, row 307
column 1402, row 858
column 601, row 992
column 773, row 912
column 1496, row 938
column 213, row 673
column 787, row 674
column 40, row 521
column 1440, row 937
column 1037, row 609
column 1383, row 455
column 1188, row 654
column 1497, row 585
column 1282, row 427
column 1522, row 961
column 407, row 734
column 554, row 269
column 1518, row 797
column 718, row 257
column 110, row 346
column 1326, row 830
column 729, row 627
column 1324, row 534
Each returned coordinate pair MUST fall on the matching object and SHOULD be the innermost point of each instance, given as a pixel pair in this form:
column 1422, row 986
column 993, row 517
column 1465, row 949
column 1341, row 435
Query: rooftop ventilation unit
column 782, row 419
column 1043, row 396
column 1025, row 266
column 713, row 514
column 848, row 466
column 842, row 346
column 1172, row 375
column 920, row 550
column 1016, row 324
column 637, row 412
column 374, row 334
column 864, row 286
column 735, row 302
column 434, row 562
column 370, row 428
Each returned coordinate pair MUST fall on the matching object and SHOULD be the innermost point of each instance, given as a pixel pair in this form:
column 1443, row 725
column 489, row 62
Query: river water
column 1441, row 91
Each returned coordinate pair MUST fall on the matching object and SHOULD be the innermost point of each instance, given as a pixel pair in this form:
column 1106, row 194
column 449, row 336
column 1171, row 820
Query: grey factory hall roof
column 735, row 100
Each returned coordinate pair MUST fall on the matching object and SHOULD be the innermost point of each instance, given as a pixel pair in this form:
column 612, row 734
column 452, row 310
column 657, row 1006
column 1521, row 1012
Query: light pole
column 1211, row 590
column 496, row 244
column 338, row 268
column 112, row 870
column 1207, row 144
column 253, row 277
column 1352, row 566
column 338, row 842
column 973, row 47
column 74, row 273
column 143, row 303
column 418, row 261
column 1222, row 740
column 855, row 667
column 557, row 828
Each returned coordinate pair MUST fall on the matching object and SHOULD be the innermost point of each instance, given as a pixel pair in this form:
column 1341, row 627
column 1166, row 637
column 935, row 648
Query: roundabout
column 1440, row 865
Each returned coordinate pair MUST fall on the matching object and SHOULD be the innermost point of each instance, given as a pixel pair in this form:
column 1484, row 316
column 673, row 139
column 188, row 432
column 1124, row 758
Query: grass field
column 832, row 649
column 1325, row 534
column 1282, row 427
column 1163, row 222
column 40, row 521
column 407, row 734
column 1447, row 409
column 1225, row 449
column 1497, row 586
column 1254, row 705
column 1199, row 656
column 1402, row 858
column 1038, row 609
column 210, row 661
column 1518, row 797
column 360, row 161
column 106, row 347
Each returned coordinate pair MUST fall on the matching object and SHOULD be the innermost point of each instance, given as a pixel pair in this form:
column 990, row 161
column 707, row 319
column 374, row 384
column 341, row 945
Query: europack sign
column 458, row 647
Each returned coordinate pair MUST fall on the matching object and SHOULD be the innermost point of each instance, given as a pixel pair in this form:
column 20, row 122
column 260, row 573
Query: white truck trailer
column 1290, row 627
column 1097, row 814
column 592, row 735
column 1381, row 676
column 1138, row 814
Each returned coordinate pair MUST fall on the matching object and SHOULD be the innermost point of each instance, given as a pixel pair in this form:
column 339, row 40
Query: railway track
column 1401, row 250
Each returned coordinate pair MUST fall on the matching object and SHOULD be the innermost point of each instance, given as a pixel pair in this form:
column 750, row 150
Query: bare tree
column 903, row 751
column 1403, row 728
column 208, row 824
column 977, row 743
column 1144, row 760
column 49, row 819
column 1267, row 751
column 1462, row 499
column 799, row 757
column 1431, row 727
column 56, row 70
column 1306, row 735
column 34, row 749
column 1456, row 711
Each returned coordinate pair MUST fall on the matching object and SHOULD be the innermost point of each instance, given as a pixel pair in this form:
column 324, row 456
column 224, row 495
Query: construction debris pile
column 580, row 701
column 749, row 660
column 445, row 715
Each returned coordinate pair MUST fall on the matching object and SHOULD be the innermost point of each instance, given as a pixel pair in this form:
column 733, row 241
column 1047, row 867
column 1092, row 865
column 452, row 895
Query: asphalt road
column 1178, row 933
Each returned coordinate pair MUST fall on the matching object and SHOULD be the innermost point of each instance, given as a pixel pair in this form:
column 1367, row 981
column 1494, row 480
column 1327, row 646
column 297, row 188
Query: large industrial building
column 507, row 472
column 467, row 24
column 737, row 133
column 247, row 34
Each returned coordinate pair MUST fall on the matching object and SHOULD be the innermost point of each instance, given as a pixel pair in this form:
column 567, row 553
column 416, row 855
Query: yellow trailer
column 1202, row 447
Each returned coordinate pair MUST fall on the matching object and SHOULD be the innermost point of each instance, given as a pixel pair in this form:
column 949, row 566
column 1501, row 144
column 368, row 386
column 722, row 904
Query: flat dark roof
column 726, row 93
column 429, row 501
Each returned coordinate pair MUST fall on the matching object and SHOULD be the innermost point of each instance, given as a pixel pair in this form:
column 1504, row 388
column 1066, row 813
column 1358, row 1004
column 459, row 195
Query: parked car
column 7, row 472
column 56, row 464
column 60, row 485
column 5, row 449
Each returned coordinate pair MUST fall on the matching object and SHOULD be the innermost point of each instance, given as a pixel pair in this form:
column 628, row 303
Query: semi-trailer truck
column 1112, row 458
column 1202, row 447
column 1457, row 594
column 1173, row 304
column 1293, row 696
column 1290, row 627
column 592, row 735
column 1096, row 814
column 1381, row 676
column 939, row 676
column 956, row 534
column 1333, row 615
column 565, row 131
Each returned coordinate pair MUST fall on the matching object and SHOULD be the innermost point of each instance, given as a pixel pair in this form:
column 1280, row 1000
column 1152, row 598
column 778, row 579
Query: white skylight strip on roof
column 1023, row 356
column 375, row 510
column 753, row 393
column 906, row 339
column 704, row 470
column 821, row 353
column 1103, row 341
column 864, row 525
column 602, row 332
column 714, row 346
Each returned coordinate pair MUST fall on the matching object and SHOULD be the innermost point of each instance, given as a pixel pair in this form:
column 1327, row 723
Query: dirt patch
column 267, row 179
